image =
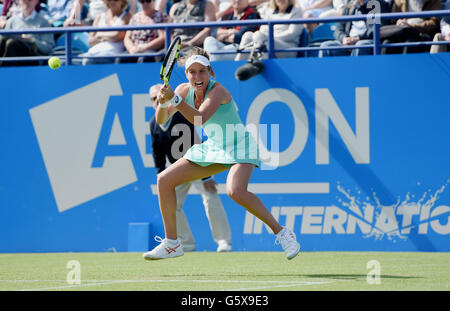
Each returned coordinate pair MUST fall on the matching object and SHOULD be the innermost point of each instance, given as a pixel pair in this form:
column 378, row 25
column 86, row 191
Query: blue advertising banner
column 355, row 155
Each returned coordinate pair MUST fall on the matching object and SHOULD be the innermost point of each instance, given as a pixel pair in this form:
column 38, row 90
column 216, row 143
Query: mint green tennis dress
column 228, row 142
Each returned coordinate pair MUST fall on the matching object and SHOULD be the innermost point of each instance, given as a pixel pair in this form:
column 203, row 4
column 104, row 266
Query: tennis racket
column 170, row 59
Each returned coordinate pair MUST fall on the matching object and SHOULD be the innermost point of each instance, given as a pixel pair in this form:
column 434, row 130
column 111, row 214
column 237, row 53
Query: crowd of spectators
column 223, row 43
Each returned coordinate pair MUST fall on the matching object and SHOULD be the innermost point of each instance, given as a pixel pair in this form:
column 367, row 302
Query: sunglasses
column 145, row 1
column 154, row 98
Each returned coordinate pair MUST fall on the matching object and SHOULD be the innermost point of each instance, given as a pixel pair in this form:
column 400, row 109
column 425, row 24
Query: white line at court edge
column 269, row 283
column 273, row 188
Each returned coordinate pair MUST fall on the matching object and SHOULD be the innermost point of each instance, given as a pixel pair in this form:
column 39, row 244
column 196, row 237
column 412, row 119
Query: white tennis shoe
column 223, row 246
column 164, row 250
column 288, row 242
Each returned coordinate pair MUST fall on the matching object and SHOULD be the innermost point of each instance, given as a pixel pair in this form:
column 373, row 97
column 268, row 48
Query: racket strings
column 170, row 62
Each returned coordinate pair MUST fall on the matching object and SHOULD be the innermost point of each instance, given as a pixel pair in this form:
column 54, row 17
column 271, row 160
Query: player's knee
column 236, row 193
column 163, row 182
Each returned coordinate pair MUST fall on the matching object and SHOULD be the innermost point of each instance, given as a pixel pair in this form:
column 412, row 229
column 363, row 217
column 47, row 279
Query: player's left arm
column 217, row 95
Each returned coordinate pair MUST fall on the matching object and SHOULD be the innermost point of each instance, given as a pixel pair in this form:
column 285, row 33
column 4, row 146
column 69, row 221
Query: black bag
column 403, row 33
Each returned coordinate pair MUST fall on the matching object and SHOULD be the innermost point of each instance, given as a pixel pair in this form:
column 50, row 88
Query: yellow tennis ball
column 54, row 62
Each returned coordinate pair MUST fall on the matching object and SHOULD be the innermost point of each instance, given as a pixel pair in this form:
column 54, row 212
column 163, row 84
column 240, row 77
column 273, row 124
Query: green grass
column 201, row 271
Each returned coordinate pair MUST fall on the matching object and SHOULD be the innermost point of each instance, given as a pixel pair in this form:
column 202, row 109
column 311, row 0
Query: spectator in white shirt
column 285, row 35
column 444, row 35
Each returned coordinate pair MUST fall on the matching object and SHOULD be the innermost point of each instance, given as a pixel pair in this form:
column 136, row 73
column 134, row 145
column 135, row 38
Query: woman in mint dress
column 229, row 146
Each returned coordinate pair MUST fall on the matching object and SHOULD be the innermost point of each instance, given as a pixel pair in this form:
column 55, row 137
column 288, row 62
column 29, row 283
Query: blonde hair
column 122, row 7
column 195, row 50
column 274, row 6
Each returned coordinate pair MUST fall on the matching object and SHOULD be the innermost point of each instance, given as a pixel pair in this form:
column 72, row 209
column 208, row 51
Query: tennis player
column 166, row 147
column 205, row 102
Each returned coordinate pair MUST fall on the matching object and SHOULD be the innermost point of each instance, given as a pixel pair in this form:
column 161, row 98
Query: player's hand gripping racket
column 170, row 59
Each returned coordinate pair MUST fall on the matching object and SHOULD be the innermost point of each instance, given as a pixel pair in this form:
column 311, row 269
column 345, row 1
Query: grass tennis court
column 207, row 271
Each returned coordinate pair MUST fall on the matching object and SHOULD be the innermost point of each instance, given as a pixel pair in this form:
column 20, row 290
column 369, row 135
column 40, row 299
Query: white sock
column 172, row 242
column 279, row 234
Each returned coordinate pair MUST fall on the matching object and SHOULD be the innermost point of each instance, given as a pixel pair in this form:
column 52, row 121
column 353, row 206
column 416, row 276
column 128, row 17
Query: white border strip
column 273, row 188
column 269, row 283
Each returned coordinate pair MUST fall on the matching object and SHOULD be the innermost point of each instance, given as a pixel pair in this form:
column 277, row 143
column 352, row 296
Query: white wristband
column 176, row 100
